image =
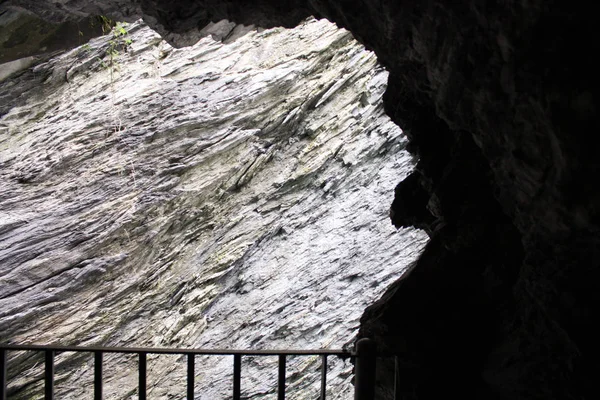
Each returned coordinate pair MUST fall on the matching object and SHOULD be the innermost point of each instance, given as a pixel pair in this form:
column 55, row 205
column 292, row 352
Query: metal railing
column 364, row 358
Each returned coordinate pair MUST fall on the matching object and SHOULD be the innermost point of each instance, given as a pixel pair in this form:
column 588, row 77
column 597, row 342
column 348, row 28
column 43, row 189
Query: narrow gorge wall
column 217, row 196
column 499, row 101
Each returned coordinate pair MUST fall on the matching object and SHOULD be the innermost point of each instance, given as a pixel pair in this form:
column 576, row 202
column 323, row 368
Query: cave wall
column 499, row 100
column 201, row 197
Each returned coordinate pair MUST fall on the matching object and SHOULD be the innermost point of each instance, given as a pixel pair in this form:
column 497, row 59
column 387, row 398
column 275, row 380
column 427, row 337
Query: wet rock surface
column 218, row 196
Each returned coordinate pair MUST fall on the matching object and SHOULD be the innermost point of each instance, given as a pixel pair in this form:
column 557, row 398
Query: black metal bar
column 323, row 376
column 191, row 372
column 281, row 380
column 142, row 378
column 97, row 375
column 396, row 378
column 237, row 376
column 364, row 370
column 3, row 374
column 149, row 350
column 49, row 375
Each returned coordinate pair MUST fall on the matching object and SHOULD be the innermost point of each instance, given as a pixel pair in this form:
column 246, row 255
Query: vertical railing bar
column 396, row 378
column 97, row 375
column 323, row 376
column 237, row 374
column 142, row 376
column 3, row 370
column 364, row 369
column 281, row 383
column 191, row 371
column 49, row 375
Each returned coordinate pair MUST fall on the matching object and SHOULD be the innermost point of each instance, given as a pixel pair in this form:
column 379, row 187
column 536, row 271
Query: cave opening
column 498, row 101
column 230, row 194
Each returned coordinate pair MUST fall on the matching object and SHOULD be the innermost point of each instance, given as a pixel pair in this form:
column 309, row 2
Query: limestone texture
column 233, row 194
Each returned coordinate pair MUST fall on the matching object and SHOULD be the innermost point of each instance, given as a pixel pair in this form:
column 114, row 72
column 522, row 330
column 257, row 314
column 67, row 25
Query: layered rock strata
column 224, row 195
column 499, row 98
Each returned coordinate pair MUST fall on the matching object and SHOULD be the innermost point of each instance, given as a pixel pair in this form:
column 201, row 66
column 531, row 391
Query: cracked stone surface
column 223, row 195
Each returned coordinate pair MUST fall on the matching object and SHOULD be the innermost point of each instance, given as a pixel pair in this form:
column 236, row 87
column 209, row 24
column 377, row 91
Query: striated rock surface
column 218, row 196
column 499, row 100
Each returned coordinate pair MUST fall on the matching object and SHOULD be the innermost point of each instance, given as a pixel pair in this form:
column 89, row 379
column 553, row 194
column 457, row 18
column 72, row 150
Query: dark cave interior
column 499, row 101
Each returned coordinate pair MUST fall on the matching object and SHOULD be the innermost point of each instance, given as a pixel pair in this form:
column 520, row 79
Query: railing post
column 49, row 375
column 364, row 370
column 142, row 377
column 396, row 378
column 3, row 374
column 97, row 375
column 237, row 376
column 281, row 383
column 191, row 372
column 323, row 376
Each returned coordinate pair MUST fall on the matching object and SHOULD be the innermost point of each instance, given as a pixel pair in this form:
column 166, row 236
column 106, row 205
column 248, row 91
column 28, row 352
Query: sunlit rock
column 217, row 196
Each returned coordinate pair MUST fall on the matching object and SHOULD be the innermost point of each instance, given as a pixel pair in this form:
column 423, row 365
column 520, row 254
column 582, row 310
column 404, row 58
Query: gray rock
column 217, row 196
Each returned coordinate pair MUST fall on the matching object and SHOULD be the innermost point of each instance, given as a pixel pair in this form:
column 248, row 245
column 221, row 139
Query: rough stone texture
column 59, row 11
column 218, row 196
column 24, row 34
column 500, row 102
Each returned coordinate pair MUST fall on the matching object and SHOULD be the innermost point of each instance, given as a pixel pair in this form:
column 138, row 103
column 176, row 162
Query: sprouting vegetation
column 118, row 43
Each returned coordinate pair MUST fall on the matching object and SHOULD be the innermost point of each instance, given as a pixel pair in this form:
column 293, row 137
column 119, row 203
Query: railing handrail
column 166, row 350
column 51, row 350
column 364, row 355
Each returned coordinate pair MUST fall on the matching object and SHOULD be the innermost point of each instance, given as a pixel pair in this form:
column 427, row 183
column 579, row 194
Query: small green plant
column 119, row 42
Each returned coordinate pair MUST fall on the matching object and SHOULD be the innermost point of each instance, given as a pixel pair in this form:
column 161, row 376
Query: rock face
column 499, row 101
column 24, row 34
column 225, row 195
